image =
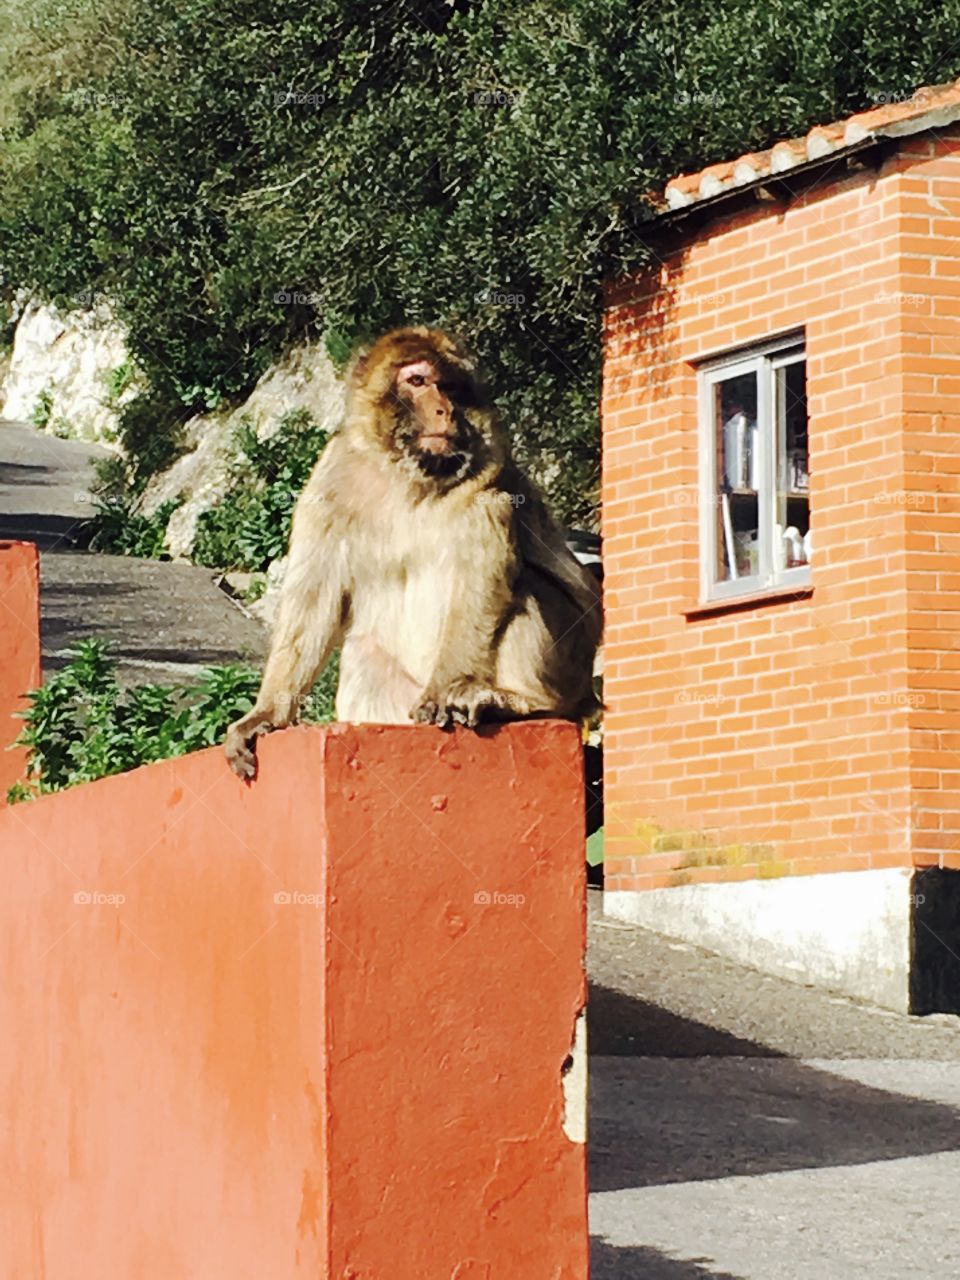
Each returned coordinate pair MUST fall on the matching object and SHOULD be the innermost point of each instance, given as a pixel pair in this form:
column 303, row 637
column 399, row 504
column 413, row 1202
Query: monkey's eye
column 416, row 379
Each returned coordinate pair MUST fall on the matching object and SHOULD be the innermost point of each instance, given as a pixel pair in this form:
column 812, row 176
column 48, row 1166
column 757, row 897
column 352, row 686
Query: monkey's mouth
column 441, row 455
column 447, row 462
column 437, row 443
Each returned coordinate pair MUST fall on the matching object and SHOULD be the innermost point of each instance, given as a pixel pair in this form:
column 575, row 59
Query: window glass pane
column 738, row 464
column 791, row 533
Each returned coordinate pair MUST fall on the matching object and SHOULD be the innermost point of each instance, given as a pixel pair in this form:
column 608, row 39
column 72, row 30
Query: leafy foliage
column 256, row 589
column 83, row 725
column 120, row 529
column 118, row 381
column 149, row 427
column 251, row 525
column 117, row 526
column 111, row 476
column 42, row 411
column 235, row 174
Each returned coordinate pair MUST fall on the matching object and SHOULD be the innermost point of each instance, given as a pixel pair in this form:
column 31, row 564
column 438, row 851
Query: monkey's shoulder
column 347, row 480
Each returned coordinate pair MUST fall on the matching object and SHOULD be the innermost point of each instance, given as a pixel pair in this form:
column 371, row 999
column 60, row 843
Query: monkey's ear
column 463, row 354
column 358, row 368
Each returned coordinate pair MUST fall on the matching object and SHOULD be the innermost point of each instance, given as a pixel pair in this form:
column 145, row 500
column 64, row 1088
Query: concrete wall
column 19, row 650
column 850, row 931
column 314, row 1027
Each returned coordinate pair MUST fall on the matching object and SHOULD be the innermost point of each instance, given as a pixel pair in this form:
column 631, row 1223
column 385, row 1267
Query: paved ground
column 44, row 486
column 166, row 621
column 744, row 1128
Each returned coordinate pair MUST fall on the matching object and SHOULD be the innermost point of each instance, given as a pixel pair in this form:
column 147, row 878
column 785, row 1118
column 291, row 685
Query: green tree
column 237, row 174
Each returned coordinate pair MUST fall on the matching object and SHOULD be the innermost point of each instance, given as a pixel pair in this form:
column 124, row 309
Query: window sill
column 755, row 599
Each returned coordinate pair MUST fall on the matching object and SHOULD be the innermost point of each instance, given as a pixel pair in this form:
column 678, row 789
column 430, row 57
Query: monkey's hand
column 240, row 745
column 467, row 702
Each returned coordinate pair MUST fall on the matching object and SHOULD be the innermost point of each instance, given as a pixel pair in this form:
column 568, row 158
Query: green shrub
column 117, row 381
column 120, row 530
column 256, row 590
column 8, row 323
column 250, row 526
column 111, row 477
column 116, row 526
column 150, row 431
column 245, row 530
column 83, row 725
column 42, row 411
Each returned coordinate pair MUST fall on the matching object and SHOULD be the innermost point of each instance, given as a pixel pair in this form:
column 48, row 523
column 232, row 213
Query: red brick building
column 781, row 518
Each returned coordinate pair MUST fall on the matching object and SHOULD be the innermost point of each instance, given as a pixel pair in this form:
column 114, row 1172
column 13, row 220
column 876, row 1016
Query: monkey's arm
column 544, row 549
column 314, row 602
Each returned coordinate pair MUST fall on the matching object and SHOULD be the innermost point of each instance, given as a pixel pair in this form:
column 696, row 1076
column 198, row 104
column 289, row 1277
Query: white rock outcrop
column 266, row 607
column 67, row 359
column 199, row 479
column 304, row 378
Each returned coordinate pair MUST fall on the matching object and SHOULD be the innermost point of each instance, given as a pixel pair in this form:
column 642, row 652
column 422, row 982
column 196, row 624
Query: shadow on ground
column 28, row 473
column 673, row 1100
column 626, row 1026
column 49, row 532
column 637, row 1262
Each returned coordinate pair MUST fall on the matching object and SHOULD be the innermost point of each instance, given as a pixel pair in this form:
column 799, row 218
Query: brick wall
column 929, row 213
column 820, row 733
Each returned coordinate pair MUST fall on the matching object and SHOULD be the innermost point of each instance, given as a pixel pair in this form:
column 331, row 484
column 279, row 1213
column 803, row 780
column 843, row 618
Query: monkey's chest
column 405, row 608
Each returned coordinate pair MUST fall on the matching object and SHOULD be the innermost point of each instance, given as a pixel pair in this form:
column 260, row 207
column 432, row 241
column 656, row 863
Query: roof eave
column 782, row 183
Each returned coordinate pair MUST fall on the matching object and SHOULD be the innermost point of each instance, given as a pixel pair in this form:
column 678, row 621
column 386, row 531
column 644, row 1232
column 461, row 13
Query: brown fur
column 441, row 575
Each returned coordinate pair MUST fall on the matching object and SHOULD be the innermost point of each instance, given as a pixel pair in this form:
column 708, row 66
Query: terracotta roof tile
column 931, row 107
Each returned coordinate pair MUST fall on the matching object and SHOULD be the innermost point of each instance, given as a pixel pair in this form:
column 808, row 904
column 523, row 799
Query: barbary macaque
column 422, row 551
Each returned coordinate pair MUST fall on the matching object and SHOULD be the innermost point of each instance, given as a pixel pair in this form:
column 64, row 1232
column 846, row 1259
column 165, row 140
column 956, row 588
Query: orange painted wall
column 20, row 632
column 312, row 1027
column 818, row 734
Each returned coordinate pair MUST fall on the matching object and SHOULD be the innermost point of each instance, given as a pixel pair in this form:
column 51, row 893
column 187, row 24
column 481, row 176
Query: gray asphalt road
column 746, row 1128
column 44, row 486
column 166, row 621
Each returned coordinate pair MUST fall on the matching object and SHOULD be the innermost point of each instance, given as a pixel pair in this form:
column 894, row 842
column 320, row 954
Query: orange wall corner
column 20, row 646
column 317, row 1026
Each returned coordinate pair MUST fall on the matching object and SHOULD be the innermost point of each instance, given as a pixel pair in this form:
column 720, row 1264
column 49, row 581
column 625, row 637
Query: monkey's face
column 415, row 397
column 431, row 425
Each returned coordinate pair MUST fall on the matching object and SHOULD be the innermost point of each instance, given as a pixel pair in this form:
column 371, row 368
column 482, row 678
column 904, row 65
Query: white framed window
column 754, row 471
